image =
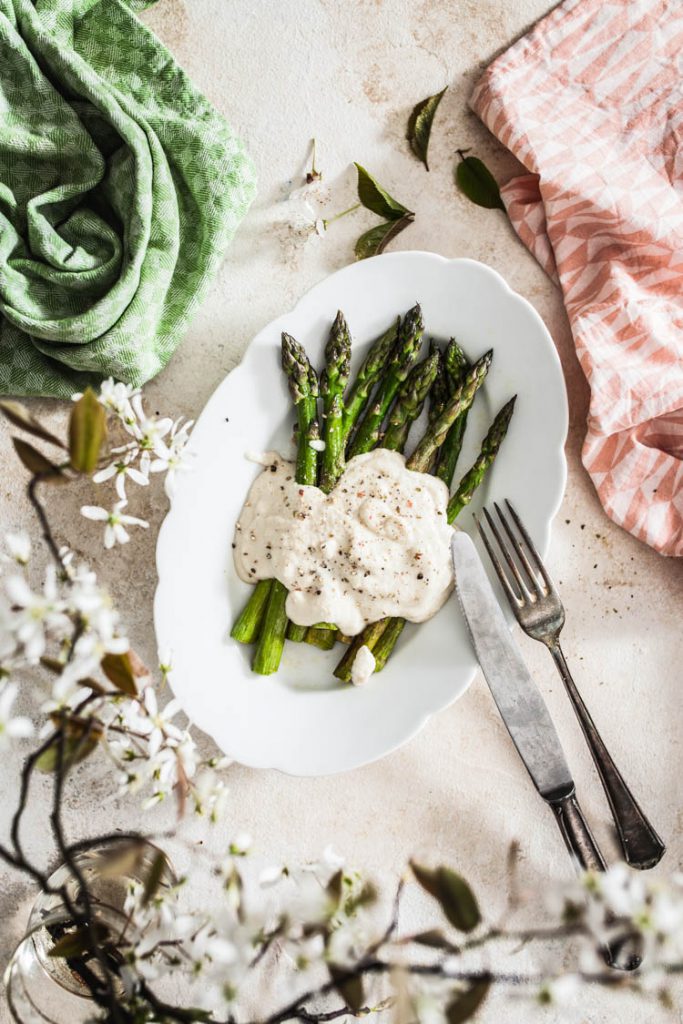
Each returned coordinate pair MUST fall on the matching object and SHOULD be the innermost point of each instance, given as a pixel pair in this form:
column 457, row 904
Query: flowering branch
column 314, row 925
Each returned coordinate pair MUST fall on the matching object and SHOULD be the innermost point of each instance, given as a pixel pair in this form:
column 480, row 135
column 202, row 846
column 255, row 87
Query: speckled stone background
column 349, row 73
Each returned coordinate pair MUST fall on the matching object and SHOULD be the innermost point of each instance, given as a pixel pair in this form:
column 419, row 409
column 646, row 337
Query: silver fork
column 539, row 611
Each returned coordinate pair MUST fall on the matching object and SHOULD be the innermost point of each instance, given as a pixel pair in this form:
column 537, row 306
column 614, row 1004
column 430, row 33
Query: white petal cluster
column 149, row 444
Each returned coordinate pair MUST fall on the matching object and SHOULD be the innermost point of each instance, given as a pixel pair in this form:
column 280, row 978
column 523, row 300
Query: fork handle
column 641, row 844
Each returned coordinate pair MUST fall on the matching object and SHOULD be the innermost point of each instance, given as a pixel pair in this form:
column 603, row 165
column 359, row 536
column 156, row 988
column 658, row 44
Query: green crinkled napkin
column 120, row 187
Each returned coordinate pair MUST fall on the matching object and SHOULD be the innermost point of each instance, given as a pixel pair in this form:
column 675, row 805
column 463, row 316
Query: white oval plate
column 301, row 721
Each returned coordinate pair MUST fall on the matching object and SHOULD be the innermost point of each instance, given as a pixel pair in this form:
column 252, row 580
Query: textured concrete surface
column 349, row 74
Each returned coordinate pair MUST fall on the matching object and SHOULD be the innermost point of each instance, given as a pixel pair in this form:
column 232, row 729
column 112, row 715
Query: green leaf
column 154, row 877
column 35, row 461
column 433, row 939
column 349, row 988
column 73, row 944
column 123, row 670
column 334, row 887
column 76, row 943
column 465, row 1004
column 420, row 125
column 376, row 198
column 374, row 241
column 20, row 416
column 87, row 430
column 453, row 893
column 79, row 742
column 475, row 181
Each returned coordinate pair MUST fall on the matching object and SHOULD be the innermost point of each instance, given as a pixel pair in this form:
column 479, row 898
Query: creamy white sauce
column 378, row 545
column 363, row 666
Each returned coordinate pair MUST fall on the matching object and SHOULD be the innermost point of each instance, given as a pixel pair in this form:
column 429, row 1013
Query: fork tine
column 519, row 551
column 530, row 545
column 525, row 595
column 515, row 600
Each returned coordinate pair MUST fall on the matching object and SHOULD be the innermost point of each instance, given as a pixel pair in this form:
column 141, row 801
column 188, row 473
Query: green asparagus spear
column 322, row 637
column 455, row 361
column 303, row 387
column 295, row 632
column 409, row 402
column 368, row 638
column 489, row 449
column 407, row 408
column 332, row 385
column 383, row 644
column 440, row 392
column 457, row 365
column 459, row 401
column 405, row 353
column 387, row 641
column 248, row 624
column 369, row 373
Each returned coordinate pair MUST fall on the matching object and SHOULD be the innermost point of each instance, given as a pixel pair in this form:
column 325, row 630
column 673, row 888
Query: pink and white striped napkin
column 591, row 102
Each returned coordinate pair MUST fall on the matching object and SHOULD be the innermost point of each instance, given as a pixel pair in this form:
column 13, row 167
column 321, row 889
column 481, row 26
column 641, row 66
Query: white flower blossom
column 11, row 728
column 116, row 397
column 115, row 530
column 148, row 431
column 19, row 546
column 210, row 796
column 121, row 470
column 32, row 615
column 172, row 456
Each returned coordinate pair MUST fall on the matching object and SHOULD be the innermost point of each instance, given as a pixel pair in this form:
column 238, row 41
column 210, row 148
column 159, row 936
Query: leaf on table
column 476, row 182
column 420, row 125
column 87, row 431
column 452, row 892
column 375, row 241
column 35, row 462
column 465, row 1004
column 376, row 198
column 21, row 417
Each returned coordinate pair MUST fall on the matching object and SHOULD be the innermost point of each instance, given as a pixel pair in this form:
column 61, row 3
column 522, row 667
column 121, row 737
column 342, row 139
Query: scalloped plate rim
column 164, row 544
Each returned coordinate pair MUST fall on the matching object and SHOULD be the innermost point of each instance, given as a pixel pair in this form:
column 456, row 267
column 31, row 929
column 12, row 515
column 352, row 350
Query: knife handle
column 576, row 833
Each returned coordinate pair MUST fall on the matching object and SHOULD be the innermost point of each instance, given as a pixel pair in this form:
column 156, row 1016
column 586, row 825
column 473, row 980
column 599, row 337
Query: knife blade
column 518, row 698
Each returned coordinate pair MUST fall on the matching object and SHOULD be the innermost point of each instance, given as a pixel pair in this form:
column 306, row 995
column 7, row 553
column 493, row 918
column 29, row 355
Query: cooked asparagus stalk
column 296, row 632
column 384, row 643
column 407, row 408
column 459, row 402
column 489, row 449
column 457, row 365
column 440, row 392
column 248, row 624
column 369, row 373
column 303, row 387
column 403, row 356
column 333, row 383
column 409, row 402
column 368, row 638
